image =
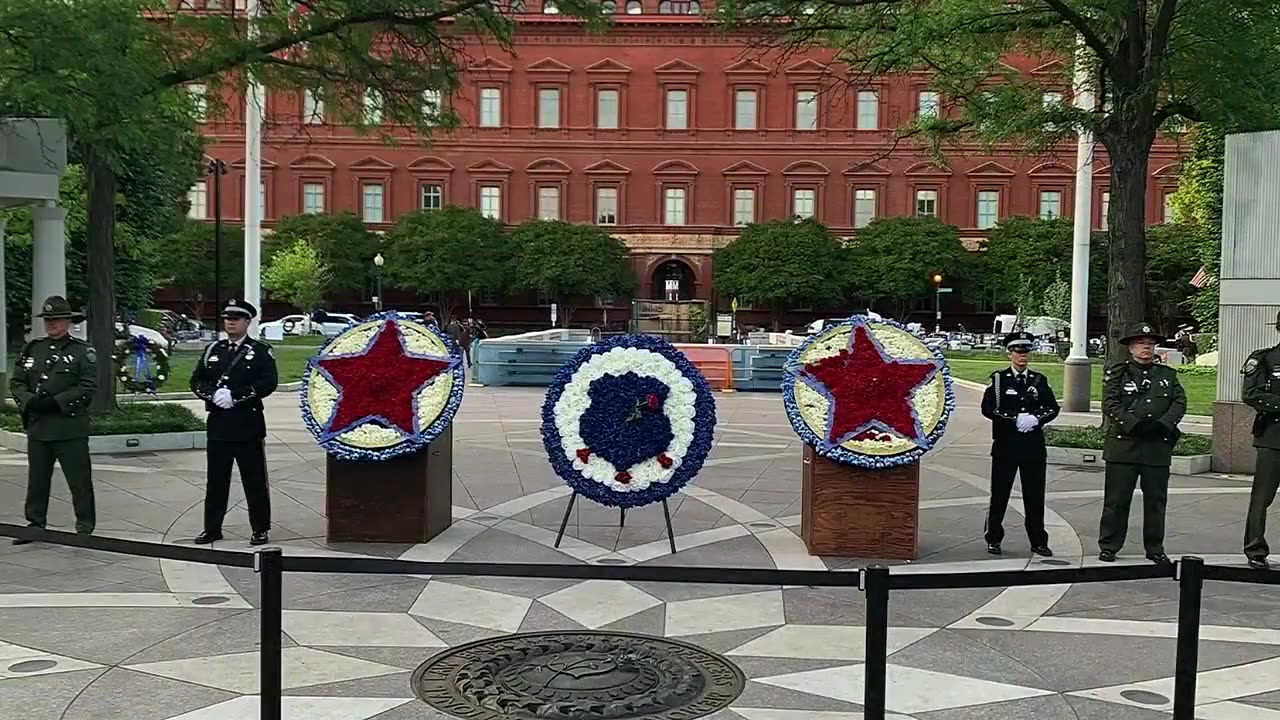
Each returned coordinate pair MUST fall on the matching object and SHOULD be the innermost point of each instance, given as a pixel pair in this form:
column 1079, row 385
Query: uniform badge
column 1011, row 391
column 1249, row 366
column 91, row 355
column 1131, row 387
column 249, row 355
column 213, row 359
column 29, row 363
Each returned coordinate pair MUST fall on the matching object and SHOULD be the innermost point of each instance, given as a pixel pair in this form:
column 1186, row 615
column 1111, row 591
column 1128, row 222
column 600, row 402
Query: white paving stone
column 596, row 603
column 729, row 612
column 1212, row 686
column 187, row 577
column 825, row 642
column 471, row 606
column 298, row 708
column 11, row 655
column 357, row 629
column 1235, row 711
column 910, row 690
column 659, row 548
column 445, row 544
column 1150, row 628
column 770, row 714
column 238, row 672
column 115, row 600
column 788, row 551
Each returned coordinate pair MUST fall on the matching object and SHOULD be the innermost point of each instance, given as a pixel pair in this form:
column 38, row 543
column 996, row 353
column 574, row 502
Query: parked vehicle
column 300, row 325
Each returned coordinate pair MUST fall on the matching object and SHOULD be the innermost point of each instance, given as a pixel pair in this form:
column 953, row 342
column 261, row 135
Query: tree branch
column 1082, row 26
column 1158, row 43
column 1180, row 108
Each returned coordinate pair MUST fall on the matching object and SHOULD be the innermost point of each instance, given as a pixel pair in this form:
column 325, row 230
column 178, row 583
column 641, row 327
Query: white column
column 254, row 101
column 1077, row 373
column 48, row 260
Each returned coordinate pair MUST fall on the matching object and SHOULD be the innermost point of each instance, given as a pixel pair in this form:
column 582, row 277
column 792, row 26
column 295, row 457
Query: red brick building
column 669, row 132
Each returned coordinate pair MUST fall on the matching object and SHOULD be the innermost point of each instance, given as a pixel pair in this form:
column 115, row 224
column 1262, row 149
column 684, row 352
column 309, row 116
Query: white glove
column 1027, row 422
column 222, row 398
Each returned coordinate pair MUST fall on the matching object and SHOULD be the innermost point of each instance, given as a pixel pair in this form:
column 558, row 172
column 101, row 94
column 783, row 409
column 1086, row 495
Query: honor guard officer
column 232, row 377
column 1262, row 392
column 1019, row 403
column 1142, row 404
column 53, row 382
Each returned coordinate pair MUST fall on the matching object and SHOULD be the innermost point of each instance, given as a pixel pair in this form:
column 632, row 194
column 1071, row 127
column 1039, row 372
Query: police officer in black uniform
column 1261, row 391
column 1019, row 403
column 232, row 377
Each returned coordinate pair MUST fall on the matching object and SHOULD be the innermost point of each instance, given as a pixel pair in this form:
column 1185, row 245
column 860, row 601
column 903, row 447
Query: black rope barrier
column 1020, row 578
column 138, row 548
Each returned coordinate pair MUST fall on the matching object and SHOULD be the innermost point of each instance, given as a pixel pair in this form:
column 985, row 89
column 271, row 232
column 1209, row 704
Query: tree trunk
column 1127, row 240
column 100, row 266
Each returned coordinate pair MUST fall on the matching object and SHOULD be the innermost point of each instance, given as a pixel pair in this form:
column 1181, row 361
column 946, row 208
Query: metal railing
column 877, row 582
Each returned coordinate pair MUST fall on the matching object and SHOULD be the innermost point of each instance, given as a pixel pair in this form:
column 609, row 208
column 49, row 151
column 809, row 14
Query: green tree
column 894, row 260
column 783, row 264
column 298, row 275
column 1056, row 301
column 1153, row 65
column 345, row 244
column 446, row 253
column 1198, row 203
column 187, row 256
column 570, row 263
column 1022, row 256
column 1172, row 261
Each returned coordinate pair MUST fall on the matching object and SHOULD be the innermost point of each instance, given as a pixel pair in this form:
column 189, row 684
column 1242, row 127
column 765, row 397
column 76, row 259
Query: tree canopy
column 783, row 264
column 188, row 262
column 1198, row 204
column 894, row 260
column 298, row 275
column 570, row 262
column 345, row 244
column 1151, row 65
column 1172, row 261
column 1022, row 256
column 445, row 253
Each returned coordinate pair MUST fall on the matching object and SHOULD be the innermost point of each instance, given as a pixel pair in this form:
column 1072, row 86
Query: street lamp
column 216, row 169
column 378, row 261
column 937, row 302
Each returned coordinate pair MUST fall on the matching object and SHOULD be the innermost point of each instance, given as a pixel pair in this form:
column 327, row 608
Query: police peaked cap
column 240, row 310
column 1019, row 341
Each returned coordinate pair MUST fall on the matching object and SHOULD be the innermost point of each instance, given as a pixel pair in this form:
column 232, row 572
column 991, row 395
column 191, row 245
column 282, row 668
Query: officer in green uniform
column 1142, row 404
column 53, row 383
column 1262, row 393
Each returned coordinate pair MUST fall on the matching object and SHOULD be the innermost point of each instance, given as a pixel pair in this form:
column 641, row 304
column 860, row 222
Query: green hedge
column 1196, row 369
column 131, row 419
column 1090, row 438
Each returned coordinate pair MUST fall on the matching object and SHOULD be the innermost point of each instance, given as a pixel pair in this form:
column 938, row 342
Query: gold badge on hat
column 48, row 307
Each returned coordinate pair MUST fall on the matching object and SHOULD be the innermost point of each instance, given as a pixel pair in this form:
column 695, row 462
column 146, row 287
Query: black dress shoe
column 24, row 541
column 1159, row 558
column 993, row 548
column 1042, row 550
column 1107, row 556
column 1259, row 563
column 259, row 538
column 207, row 537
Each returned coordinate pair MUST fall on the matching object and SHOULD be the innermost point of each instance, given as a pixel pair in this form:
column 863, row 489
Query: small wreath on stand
column 142, row 364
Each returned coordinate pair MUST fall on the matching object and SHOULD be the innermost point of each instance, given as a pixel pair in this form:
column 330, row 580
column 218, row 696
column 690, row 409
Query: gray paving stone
column 101, row 635
column 541, row 618
column 723, row 642
column 760, row 695
column 416, row 710
column 396, row 595
column 43, row 697
column 121, row 693
column 239, row 632
column 647, row 622
column 397, row 685
column 408, row 658
column 1050, row 707
column 456, row 633
column 1086, row 709
column 756, row 667
column 824, row 606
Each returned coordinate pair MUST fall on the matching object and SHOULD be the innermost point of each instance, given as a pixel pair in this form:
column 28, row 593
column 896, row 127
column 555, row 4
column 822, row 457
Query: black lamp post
column 378, row 262
column 217, row 169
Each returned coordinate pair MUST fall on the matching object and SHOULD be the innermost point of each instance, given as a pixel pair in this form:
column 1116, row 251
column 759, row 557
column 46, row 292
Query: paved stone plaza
column 92, row 636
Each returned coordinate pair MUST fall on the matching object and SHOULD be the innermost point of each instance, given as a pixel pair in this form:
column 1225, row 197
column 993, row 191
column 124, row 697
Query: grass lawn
column 291, row 360
column 1202, row 390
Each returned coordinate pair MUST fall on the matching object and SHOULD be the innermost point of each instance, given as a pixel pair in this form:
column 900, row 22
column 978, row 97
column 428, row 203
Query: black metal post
column 875, row 585
column 268, row 562
column 217, row 169
column 1190, row 575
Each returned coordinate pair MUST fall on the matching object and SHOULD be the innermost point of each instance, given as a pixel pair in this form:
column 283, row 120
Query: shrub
column 1091, row 438
column 130, row 419
column 1195, row 369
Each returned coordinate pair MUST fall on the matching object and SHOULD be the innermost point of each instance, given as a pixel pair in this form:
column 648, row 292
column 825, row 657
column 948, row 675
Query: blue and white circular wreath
column 434, row 405
column 628, row 421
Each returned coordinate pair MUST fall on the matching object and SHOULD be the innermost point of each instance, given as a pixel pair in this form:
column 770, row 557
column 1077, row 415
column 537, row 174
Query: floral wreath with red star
column 867, row 392
column 384, row 387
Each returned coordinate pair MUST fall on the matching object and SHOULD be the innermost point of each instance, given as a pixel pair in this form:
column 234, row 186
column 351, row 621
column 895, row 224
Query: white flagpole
column 253, row 210
column 1077, row 371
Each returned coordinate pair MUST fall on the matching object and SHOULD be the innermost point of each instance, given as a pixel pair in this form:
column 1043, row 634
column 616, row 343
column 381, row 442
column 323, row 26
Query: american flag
column 1201, row 278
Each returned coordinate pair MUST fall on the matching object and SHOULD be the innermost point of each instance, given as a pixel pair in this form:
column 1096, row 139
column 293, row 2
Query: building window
column 804, row 202
column 868, row 110
column 491, row 201
column 744, row 109
column 372, row 107
column 606, row 206
column 673, row 206
column 262, row 198
column 1167, row 216
column 634, row 7
column 431, row 105
column 549, row 107
column 744, row 206
column 608, row 7
column 548, row 203
column 312, row 108
column 677, row 109
column 988, row 209
column 313, row 198
column 928, row 104
column 199, row 100
column 198, row 198
column 607, row 109
column 549, row 8
column 1050, row 204
column 926, row 203
column 490, row 107
column 1106, row 210
column 431, row 196
column 806, row 110
column 371, row 203
column 864, row 207
column 679, row 7
column 1051, row 100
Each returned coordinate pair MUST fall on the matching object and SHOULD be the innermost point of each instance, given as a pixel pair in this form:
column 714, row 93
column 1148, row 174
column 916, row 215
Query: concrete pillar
column 1249, row 286
column 48, row 260
column 4, row 320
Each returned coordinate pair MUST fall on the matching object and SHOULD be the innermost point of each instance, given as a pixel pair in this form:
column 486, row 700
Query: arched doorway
column 672, row 280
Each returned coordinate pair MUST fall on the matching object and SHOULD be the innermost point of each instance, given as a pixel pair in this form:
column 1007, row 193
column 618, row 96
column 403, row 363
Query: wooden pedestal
column 408, row 499
column 853, row 512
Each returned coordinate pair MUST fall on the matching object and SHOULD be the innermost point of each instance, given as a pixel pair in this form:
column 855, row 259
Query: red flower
column 653, row 401
column 663, row 460
column 583, row 454
column 623, row 477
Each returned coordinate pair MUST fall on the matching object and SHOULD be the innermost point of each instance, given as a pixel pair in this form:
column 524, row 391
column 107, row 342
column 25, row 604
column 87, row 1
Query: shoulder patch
column 91, row 355
column 1249, row 365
